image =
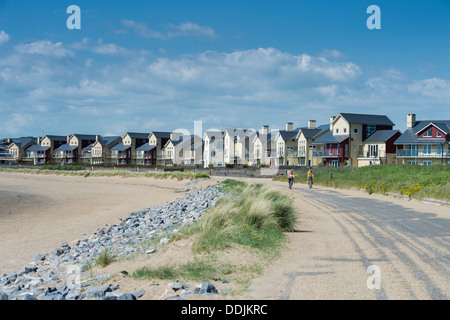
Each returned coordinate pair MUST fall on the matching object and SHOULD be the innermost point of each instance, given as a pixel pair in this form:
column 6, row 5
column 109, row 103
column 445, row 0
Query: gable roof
column 410, row 135
column 55, row 138
column 160, row 134
column 137, row 135
column 443, row 126
column 84, row 136
column 311, row 133
column 21, row 142
column 372, row 119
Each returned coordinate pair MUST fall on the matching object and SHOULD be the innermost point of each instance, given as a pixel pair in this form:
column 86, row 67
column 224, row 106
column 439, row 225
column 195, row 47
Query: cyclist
column 290, row 178
column 310, row 176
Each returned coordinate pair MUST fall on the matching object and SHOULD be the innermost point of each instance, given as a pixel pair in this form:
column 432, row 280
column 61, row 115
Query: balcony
column 292, row 154
column 422, row 154
column 326, row 154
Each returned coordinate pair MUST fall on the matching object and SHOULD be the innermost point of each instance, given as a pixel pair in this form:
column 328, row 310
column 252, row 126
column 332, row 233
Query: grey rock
column 27, row 296
column 207, row 288
column 126, row 296
column 3, row 296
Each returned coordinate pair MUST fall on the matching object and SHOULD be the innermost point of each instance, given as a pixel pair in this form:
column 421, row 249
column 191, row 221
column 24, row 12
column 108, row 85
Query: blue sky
column 161, row 65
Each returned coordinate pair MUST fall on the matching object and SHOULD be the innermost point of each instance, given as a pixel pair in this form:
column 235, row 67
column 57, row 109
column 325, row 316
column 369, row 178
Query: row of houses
column 348, row 139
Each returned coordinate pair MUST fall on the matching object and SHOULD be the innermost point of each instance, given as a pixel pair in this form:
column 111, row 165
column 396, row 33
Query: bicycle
column 310, row 183
column 291, row 182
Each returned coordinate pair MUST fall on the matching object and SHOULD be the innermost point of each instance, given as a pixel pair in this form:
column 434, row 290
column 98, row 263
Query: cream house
column 285, row 144
column 184, row 150
column 424, row 142
column 379, row 148
column 72, row 151
column 304, row 138
column 99, row 152
column 16, row 151
column 213, row 148
column 344, row 142
column 159, row 139
column 261, row 142
column 234, row 147
column 134, row 140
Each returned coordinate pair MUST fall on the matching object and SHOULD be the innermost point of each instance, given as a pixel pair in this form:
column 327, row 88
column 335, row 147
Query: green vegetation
column 200, row 269
column 251, row 215
column 413, row 181
column 105, row 258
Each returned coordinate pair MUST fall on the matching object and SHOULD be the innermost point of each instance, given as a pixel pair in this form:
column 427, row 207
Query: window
column 438, row 149
column 370, row 129
column 412, row 162
column 429, row 133
column 427, row 149
column 337, row 130
column 427, row 163
column 355, row 131
column 438, row 134
column 345, row 130
column 373, row 150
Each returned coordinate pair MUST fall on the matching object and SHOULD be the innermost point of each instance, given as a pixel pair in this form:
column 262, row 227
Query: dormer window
column 429, row 133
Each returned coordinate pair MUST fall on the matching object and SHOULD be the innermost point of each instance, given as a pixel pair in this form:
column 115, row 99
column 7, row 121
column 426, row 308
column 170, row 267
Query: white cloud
column 242, row 88
column 187, row 29
column 4, row 37
column 45, row 48
column 435, row 87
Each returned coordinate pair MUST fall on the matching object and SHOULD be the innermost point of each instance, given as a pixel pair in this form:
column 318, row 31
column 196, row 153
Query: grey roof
column 105, row 141
column 56, row 138
column 214, row 133
column 381, row 135
column 138, row 135
column 146, row 147
column 120, row 147
column 66, row 147
column 88, row 147
column 410, row 135
column 21, row 142
column 85, row 136
column 311, row 133
column 161, row 134
column 367, row 119
column 289, row 135
column 38, row 147
column 330, row 138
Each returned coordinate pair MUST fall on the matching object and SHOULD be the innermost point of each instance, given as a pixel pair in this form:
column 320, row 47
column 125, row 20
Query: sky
column 160, row 65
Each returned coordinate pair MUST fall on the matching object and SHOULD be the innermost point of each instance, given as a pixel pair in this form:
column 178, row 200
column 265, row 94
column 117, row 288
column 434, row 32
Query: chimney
column 311, row 124
column 97, row 137
column 289, row 126
column 38, row 141
column 331, row 122
column 264, row 129
column 410, row 120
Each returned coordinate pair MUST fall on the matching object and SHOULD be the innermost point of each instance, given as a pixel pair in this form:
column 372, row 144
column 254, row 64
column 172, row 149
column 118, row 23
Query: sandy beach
column 39, row 212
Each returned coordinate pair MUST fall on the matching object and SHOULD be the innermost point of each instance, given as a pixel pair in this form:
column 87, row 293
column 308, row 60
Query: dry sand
column 39, row 212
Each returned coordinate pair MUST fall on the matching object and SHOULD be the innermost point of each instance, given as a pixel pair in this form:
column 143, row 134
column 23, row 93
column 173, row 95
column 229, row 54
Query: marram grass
column 251, row 215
